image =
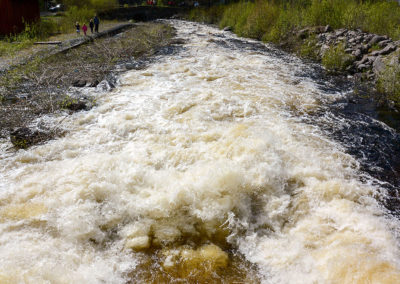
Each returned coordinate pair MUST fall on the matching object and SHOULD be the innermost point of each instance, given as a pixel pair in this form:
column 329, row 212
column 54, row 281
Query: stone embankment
column 368, row 55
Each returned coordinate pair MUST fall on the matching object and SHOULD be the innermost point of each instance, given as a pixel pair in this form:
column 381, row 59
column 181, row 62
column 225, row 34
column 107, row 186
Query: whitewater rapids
column 196, row 164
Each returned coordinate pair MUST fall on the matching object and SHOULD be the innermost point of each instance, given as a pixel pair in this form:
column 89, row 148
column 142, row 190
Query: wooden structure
column 14, row 13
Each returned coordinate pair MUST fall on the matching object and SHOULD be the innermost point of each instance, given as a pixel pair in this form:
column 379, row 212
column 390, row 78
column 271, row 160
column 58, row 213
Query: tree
column 94, row 4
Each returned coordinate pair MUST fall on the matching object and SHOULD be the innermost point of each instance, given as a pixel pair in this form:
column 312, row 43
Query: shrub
column 97, row 5
column 335, row 59
column 262, row 17
column 75, row 14
column 308, row 49
column 274, row 20
column 389, row 80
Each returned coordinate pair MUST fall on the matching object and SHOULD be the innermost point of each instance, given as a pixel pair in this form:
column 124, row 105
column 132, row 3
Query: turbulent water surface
column 219, row 162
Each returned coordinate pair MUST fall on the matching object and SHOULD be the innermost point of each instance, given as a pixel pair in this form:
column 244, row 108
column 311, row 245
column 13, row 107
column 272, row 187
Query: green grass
column 274, row 20
column 389, row 79
column 335, row 59
column 11, row 44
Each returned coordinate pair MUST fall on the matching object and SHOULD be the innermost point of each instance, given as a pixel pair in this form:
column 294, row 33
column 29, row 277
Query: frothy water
column 200, row 167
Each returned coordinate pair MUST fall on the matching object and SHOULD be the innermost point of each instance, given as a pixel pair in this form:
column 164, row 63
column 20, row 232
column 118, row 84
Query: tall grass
column 273, row 20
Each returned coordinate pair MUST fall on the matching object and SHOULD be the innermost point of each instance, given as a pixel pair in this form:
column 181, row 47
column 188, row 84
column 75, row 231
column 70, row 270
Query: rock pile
column 368, row 51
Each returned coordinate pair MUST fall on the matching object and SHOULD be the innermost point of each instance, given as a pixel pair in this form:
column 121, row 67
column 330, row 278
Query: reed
column 274, row 20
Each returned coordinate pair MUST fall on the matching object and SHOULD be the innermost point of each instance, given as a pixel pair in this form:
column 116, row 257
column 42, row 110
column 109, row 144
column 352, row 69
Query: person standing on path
column 78, row 28
column 91, row 25
column 96, row 24
column 84, row 29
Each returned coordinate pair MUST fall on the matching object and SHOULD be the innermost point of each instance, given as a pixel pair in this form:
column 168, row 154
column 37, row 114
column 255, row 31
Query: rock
column 324, row 49
column 376, row 39
column 397, row 43
column 179, row 40
column 384, row 43
column 79, row 83
column 227, row 29
column 322, row 37
column 388, row 49
column 357, row 53
column 319, row 29
column 331, row 38
column 340, row 32
column 365, row 48
column 10, row 98
column 379, row 65
column 79, row 105
column 359, row 39
column 351, row 34
column 24, row 137
column 361, row 67
column 304, row 33
column 93, row 83
column 75, row 104
column 327, row 29
column 348, row 50
column 371, row 59
column 364, row 59
column 351, row 68
column 367, row 38
column 375, row 53
column 105, row 85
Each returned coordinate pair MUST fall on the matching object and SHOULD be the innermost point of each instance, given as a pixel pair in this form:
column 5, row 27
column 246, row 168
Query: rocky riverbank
column 372, row 60
column 53, row 85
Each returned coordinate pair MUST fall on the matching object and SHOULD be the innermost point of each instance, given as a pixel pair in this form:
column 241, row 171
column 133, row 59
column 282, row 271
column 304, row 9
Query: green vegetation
column 77, row 11
column 274, row 20
column 335, row 58
column 389, row 79
column 32, row 32
column 97, row 5
column 308, row 48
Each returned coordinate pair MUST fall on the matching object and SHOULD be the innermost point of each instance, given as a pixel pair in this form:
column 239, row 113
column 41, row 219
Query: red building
column 13, row 14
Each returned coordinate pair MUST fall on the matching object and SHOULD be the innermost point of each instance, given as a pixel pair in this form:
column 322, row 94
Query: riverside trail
column 220, row 162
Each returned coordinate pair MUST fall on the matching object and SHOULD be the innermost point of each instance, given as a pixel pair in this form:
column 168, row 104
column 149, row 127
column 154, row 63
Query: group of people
column 93, row 24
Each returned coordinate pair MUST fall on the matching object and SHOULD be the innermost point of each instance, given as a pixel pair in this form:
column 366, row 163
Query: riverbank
column 46, row 85
column 347, row 37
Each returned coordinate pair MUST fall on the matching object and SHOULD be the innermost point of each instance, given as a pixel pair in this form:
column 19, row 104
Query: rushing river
column 218, row 162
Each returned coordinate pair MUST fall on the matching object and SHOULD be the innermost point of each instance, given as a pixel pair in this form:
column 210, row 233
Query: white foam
column 201, row 138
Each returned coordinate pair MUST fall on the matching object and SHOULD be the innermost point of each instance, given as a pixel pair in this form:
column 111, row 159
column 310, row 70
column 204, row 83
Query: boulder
column 376, row 39
column 340, row 32
column 182, row 41
column 93, row 83
column 375, row 53
column 24, row 137
column 388, row 49
column 379, row 65
column 327, row 29
column 357, row 53
column 79, row 83
column 227, row 29
column 361, row 67
column 384, row 43
column 304, row 33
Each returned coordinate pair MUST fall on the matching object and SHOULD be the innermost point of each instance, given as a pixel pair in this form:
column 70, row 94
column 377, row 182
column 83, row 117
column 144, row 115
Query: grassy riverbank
column 270, row 20
column 42, row 86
